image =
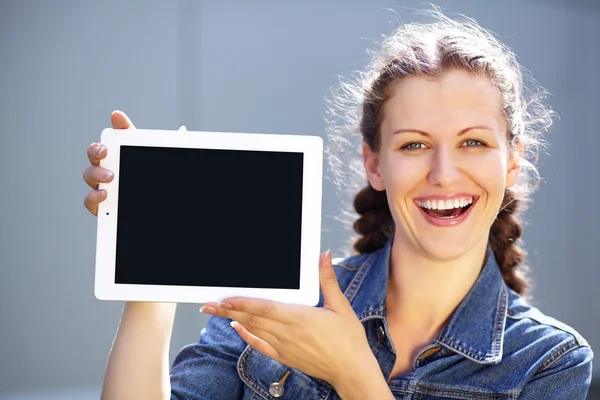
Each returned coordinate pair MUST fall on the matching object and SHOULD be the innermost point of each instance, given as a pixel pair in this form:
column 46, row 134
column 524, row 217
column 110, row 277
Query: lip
column 446, row 222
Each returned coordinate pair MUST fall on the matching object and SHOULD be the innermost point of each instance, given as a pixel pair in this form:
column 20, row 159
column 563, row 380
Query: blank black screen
column 201, row 217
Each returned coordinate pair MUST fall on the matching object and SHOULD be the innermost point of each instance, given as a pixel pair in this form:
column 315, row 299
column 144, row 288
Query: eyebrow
column 462, row 132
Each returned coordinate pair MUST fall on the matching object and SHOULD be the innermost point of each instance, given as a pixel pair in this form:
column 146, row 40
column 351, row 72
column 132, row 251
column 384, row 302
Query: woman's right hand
column 95, row 174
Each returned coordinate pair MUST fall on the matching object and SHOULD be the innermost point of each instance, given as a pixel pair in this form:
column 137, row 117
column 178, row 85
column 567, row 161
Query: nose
column 444, row 171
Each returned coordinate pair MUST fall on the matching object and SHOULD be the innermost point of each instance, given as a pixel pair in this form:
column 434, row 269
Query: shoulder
column 546, row 341
column 553, row 359
column 521, row 312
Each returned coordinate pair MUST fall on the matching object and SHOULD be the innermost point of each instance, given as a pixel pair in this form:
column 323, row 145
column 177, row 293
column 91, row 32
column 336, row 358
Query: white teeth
column 445, row 204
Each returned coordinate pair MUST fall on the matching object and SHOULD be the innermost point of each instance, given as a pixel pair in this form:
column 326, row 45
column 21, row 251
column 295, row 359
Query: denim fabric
column 495, row 346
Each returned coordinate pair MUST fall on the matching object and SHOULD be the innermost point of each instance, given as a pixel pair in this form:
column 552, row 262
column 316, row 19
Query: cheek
column 488, row 170
column 404, row 173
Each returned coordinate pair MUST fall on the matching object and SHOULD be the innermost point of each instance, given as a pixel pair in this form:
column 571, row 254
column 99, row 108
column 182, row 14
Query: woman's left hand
column 327, row 343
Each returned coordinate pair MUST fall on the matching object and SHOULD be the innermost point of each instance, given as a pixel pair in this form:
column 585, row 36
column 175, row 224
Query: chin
column 449, row 234
column 446, row 249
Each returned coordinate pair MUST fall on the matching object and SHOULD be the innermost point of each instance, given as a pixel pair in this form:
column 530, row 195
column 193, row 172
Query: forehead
column 451, row 101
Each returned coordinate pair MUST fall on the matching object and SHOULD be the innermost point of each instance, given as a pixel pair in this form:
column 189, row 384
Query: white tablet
column 193, row 217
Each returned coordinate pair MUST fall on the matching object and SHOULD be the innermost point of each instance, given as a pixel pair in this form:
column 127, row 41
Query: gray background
column 248, row 66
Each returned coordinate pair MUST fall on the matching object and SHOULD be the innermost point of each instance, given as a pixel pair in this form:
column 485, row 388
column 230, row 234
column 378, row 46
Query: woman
column 433, row 304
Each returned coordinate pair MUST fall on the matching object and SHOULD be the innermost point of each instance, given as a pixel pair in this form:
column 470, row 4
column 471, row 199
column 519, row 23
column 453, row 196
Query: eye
column 473, row 143
column 414, row 146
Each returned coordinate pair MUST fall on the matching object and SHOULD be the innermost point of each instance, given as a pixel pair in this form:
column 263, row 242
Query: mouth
column 446, row 211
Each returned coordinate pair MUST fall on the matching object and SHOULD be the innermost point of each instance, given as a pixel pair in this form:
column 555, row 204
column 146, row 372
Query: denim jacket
column 494, row 347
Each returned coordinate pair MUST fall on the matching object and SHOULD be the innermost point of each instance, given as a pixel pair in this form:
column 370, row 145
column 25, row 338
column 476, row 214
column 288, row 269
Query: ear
column 514, row 164
column 371, row 161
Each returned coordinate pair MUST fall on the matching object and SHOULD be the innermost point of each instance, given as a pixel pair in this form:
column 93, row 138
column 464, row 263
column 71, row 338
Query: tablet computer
column 193, row 217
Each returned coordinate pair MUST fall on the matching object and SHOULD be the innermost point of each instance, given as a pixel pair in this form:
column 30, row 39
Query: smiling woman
column 432, row 305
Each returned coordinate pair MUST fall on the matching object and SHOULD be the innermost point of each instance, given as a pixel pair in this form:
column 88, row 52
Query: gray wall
column 259, row 66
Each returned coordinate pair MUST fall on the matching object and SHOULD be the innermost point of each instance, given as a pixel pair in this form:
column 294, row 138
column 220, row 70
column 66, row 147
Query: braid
column 375, row 224
column 504, row 233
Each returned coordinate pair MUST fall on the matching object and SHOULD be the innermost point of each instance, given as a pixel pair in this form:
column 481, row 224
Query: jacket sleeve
column 207, row 370
column 566, row 377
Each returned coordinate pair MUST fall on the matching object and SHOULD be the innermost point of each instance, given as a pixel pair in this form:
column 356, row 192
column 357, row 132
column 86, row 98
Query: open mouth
column 446, row 209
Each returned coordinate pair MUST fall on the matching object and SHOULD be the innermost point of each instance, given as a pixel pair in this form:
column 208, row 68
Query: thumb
column 332, row 295
column 120, row 120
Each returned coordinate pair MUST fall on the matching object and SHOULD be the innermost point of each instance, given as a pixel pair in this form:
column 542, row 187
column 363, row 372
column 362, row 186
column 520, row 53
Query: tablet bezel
column 105, row 287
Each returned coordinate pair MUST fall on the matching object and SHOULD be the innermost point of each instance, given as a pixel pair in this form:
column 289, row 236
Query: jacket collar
column 476, row 328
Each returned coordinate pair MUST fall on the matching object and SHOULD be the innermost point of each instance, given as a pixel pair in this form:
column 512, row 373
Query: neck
column 423, row 293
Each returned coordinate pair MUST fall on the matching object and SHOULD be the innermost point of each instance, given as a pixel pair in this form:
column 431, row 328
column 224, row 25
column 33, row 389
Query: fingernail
column 208, row 310
column 106, row 175
column 328, row 256
column 98, row 150
column 226, row 305
column 233, row 324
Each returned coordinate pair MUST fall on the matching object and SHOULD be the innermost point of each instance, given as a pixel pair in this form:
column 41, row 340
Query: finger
column 332, row 295
column 94, row 175
column 96, row 152
column 257, row 343
column 251, row 321
column 92, row 200
column 265, row 336
column 120, row 120
column 268, row 309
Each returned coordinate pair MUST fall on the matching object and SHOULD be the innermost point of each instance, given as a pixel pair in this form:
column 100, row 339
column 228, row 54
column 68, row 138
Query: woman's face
column 444, row 161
